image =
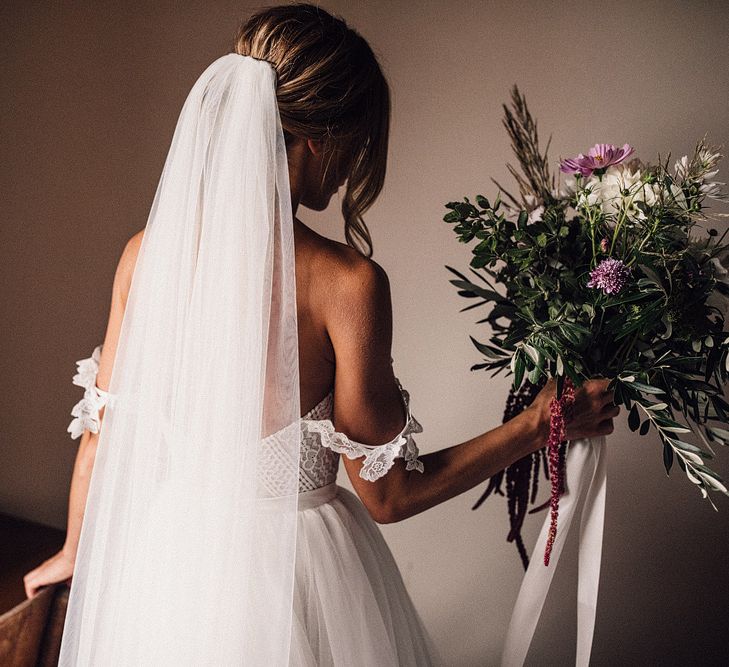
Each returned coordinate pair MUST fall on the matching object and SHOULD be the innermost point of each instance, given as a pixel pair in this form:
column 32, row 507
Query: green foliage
column 661, row 338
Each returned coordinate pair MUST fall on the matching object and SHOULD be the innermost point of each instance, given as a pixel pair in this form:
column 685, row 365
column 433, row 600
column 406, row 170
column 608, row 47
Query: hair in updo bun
column 330, row 88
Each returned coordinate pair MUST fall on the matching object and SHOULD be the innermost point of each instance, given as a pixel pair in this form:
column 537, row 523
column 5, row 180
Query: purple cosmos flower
column 598, row 158
column 610, row 276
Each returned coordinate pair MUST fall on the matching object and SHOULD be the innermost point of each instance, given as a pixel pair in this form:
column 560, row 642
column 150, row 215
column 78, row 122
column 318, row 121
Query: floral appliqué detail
column 86, row 411
column 378, row 458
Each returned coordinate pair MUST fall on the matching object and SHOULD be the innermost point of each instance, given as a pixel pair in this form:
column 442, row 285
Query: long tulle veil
column 186, row 555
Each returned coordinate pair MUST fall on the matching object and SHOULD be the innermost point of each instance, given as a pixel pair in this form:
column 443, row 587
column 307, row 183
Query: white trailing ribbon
column 585, row 465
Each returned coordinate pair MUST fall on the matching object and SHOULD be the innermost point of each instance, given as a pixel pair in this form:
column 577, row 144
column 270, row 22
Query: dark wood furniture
column 30, row 630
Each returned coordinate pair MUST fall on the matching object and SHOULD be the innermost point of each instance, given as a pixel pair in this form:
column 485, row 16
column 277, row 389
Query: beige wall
column 92, row 92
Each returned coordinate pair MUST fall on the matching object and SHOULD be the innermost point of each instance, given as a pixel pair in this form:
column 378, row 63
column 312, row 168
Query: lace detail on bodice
column 318, row 465
column 321, row 443
column 378, row 458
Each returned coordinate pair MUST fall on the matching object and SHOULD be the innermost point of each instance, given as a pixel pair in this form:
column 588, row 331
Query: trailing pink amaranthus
column 558, row 410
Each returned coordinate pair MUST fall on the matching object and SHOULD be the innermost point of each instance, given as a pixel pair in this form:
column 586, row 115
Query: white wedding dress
column 351, row 607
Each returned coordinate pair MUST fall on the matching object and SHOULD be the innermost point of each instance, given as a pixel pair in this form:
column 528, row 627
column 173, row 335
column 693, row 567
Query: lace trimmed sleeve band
column 86, row 411
column 378, row 458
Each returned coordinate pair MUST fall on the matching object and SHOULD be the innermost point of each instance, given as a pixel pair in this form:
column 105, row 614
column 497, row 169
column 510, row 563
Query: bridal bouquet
column 615, row 272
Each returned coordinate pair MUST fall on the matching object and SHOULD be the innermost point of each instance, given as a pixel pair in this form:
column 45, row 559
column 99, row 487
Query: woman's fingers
column 56, row 568
column 30, row 586
column 603, row 394
column 611, row 410
column 605, row 427
column 593, row 411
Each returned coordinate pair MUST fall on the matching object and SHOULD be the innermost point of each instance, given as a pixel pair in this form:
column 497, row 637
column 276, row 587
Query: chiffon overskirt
column 351, row 606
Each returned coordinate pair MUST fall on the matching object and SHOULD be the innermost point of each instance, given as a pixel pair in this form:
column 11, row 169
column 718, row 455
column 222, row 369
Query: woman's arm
column 368, row 408
column 451, row 471
column 60, row 566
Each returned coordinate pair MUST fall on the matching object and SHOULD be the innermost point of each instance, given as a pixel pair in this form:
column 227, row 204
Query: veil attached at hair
column 187, row 550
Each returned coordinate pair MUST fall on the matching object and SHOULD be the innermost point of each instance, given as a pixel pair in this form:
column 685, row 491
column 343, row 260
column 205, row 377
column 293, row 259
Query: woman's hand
column 56, row 568
column 593, row 411
column 591, row 414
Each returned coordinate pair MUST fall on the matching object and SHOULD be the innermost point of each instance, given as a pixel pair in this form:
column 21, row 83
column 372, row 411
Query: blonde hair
column 330, row 88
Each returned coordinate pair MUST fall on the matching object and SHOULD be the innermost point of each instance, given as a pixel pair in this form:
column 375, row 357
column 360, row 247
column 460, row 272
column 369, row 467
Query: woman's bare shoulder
column 131, row 249
column 356, row 298
column 354, row 281
column 126, row 264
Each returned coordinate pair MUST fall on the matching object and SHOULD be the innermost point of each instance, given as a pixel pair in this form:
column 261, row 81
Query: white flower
column 619, row 189
column 533, row 207
column 678, row 197
column 568, row 188
column 699, row 170
column 536, row 214
column 712, row 189
column 680, row 169
column 707, row 158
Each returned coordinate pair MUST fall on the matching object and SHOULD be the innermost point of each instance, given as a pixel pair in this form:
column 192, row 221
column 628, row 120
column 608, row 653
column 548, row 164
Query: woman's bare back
column 315, row 260
column 328, row 275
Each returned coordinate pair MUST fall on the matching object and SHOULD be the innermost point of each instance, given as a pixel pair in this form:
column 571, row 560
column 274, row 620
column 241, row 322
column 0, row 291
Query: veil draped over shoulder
column 187, row 550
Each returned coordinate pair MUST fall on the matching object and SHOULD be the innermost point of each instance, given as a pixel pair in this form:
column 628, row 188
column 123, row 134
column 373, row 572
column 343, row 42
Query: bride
column 212, row 530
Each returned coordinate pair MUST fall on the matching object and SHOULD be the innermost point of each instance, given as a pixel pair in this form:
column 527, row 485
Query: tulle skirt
column 351, row 606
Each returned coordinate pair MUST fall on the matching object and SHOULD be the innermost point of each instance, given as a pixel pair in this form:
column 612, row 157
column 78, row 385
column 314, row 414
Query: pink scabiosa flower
column 610, row 275
column 597, row 160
